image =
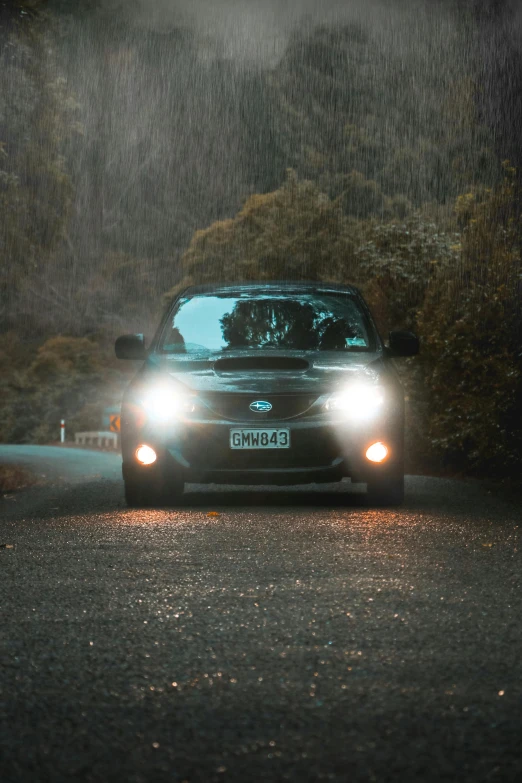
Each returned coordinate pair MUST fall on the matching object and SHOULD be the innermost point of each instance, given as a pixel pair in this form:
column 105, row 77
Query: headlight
column 358, row 401
column 165, row 403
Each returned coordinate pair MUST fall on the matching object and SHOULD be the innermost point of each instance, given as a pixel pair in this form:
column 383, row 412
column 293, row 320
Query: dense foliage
column 36, row 191
column 294, row 232
column 471, row 322
column 298, row 232
column 64, row 377
column 406, row 130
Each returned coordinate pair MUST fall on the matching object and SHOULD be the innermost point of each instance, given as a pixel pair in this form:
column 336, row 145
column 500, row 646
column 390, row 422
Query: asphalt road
column 256, row 636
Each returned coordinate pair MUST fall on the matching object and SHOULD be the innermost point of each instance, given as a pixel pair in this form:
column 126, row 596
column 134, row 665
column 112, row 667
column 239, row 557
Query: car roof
column 255, row 286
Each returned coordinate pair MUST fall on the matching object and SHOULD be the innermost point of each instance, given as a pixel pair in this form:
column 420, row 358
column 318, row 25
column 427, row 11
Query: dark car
column 264, row 383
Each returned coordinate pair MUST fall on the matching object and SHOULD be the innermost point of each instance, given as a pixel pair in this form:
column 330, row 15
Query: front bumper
column 322, row 450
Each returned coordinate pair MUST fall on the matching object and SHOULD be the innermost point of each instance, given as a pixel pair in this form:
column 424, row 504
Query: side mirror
column 130, row 346
column 403, row 343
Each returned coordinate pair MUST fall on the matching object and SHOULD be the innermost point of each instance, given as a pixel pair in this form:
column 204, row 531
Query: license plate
column 260, row 439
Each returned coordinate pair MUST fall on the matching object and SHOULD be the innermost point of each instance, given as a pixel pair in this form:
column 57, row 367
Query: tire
column 386, row 492
column 152, row 493
column 136, row 495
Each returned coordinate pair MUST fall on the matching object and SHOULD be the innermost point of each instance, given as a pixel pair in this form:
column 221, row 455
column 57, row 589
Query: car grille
column 235, row 407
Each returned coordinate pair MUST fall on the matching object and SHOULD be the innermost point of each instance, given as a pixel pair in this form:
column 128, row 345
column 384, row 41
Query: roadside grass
column 14, row 477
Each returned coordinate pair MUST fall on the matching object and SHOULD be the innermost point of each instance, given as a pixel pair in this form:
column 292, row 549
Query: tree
column 36, row 115
column 394, row 107
column 295, row 232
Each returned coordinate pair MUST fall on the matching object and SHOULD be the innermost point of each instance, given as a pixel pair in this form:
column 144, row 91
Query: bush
column 395, row 262
column 65, row 377
column 471, row 327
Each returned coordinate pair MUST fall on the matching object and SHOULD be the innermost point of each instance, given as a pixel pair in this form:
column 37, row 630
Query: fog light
column 145, row 455
column 377, row 452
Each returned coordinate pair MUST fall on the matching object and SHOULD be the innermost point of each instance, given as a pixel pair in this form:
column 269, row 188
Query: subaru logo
column 260, row 406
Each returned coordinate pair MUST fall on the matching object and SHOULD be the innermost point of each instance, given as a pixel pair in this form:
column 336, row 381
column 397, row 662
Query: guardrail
column 107, row 439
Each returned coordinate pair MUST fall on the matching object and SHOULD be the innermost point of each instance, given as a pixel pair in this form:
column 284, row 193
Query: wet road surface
column 257, row 636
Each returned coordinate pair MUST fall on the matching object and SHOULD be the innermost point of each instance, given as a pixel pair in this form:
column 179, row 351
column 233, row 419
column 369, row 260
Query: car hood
column 252, row 373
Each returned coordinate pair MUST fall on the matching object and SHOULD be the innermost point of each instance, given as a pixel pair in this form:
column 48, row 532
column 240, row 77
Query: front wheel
column 386, row 492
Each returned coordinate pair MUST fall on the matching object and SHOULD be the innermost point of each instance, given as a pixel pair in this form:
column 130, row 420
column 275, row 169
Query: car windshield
column 253, row 321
